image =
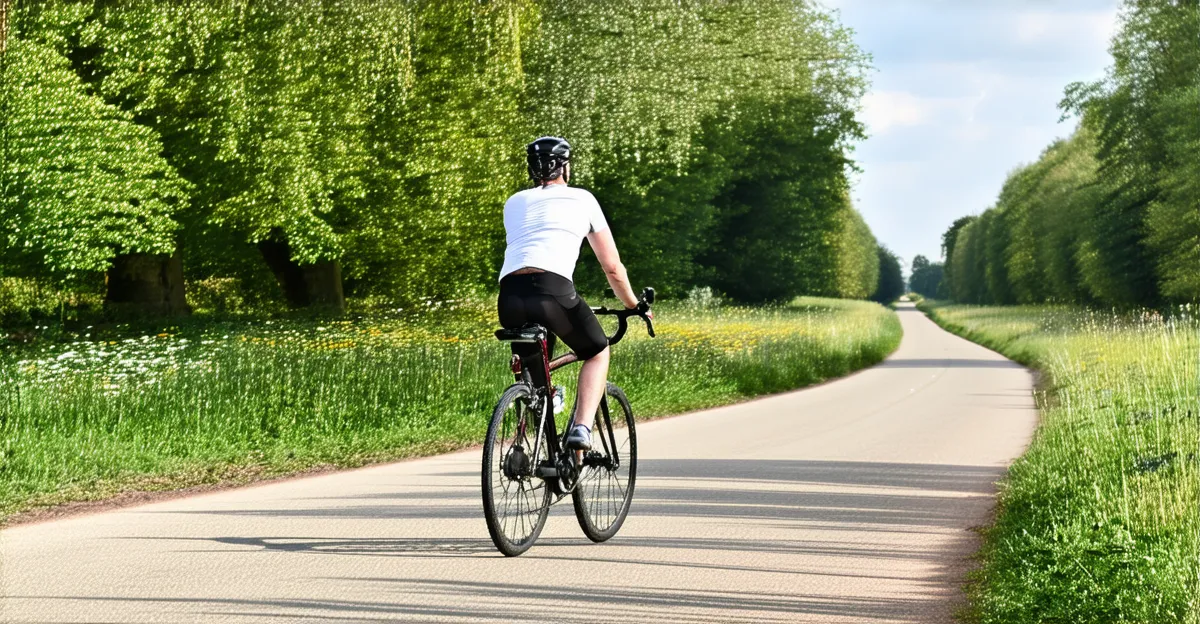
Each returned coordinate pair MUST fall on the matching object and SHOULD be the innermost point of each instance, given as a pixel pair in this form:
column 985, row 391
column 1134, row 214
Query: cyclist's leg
column 586, row 338
column 593, row 377
column 552, row 301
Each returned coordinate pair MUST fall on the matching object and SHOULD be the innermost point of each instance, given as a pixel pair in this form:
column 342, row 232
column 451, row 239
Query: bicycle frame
column 547, row 428
column 544, row 395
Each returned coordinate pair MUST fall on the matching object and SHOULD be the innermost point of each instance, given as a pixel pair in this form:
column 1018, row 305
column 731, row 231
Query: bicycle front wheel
column 605, row 488
column 515, row 502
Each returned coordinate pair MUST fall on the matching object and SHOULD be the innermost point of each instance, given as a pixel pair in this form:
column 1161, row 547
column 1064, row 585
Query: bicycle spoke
column 603, row 500
column 517, row 500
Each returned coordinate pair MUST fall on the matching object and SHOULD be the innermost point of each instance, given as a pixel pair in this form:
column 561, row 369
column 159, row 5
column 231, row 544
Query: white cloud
column 1041, row 27
column 885, row 110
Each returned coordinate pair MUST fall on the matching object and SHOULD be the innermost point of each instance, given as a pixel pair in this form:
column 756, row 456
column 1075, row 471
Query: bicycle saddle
column 528, row 333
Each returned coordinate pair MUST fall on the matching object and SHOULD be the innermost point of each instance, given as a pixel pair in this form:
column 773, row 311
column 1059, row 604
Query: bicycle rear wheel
column 515, row 502
column 605, row 488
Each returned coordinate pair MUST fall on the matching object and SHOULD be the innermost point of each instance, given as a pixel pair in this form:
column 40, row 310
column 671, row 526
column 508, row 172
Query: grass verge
column 91, row 415
column 1099, row 521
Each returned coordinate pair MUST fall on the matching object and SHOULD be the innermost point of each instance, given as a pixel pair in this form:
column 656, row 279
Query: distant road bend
column 848, row 502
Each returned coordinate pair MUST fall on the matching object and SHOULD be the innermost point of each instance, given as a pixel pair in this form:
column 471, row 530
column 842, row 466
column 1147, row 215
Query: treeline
column 309, row 149
column 926, row 277
column 1111, row 215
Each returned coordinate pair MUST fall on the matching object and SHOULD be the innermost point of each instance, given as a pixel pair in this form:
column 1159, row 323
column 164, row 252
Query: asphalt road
column 853, row 501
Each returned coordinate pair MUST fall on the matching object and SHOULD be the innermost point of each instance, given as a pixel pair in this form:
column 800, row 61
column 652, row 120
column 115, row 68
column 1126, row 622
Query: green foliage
column 1110, row 215
column 891, row 278
column 25, row 302
column 1046, row 204
column 995, row 245
column 386, row 136
column 1145, row 118
column 950, row 236
column 81, row 181
column 926, row 278
column 1100, row 519
column 949, row 242
column 771, row 191
column 671, row 107
column 966, row 264
column 448, row 139
column 263, row 106
column 858, row 271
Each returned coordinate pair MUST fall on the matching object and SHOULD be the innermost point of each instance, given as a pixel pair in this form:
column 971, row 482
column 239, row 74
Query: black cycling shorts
column 550, row 300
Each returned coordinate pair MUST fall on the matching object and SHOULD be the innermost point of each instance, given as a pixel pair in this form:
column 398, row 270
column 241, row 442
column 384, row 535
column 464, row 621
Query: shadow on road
column 778, row 494
column 509, row 602
column 657, row 495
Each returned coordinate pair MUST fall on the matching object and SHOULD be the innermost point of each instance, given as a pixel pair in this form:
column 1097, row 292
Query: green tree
column 858, row 262
column 1144, row 229
column 928, row 281
column 780, row 214
column 263, row 107
column 969, row 277
column 949, row 240
column 378, row 140
column 995, row 260
column 653, row 93
column 448, row 137
column 891, row 277
column 926, row 278
column 919, row 262
column 1046, row 204
column 83, row 184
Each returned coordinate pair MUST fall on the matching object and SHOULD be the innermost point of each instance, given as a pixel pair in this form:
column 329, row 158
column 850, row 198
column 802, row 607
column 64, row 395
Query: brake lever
column 643, row 310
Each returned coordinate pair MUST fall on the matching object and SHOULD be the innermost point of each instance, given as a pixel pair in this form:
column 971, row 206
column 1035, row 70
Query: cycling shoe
column 580, row 438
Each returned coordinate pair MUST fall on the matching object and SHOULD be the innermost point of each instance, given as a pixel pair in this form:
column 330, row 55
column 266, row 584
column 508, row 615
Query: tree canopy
column 926, row 277
column 292, row 143
column 82, row 182
column 891, row 277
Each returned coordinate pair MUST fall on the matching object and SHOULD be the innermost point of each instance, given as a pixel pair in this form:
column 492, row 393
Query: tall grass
column 90, row 415
column 1100, row 520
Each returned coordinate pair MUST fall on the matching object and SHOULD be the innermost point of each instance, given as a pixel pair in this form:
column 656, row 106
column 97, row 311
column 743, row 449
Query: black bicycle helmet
column 547, row 158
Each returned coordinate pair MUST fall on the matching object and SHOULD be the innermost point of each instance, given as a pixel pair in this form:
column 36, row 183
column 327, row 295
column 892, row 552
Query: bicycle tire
column 532, row 494
column 601, row 500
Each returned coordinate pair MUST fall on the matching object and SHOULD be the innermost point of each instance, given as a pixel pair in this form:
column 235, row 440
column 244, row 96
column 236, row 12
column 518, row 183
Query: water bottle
column 560, row 399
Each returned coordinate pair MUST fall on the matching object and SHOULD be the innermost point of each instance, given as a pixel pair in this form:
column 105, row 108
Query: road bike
column 526, row 465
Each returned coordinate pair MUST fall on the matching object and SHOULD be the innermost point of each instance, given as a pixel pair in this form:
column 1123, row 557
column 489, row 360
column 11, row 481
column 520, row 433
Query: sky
column 963, row 92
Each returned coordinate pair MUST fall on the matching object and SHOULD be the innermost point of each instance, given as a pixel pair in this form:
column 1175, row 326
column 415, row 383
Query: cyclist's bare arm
column 606, row 252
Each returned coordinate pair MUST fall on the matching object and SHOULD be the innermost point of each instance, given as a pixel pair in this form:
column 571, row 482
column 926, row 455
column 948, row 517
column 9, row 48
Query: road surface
column 853, row 501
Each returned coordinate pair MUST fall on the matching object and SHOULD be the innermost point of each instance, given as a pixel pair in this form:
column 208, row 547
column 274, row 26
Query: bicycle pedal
column 595, row 459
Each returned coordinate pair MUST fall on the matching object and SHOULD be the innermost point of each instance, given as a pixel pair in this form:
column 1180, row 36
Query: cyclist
column 545, row 226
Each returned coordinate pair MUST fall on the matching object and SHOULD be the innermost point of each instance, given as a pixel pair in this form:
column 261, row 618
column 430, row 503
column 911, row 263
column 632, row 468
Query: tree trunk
column 307, row 285
column 3, row 26
column 147, row 284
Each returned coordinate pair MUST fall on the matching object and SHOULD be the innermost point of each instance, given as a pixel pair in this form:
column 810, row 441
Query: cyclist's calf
column 593, row 378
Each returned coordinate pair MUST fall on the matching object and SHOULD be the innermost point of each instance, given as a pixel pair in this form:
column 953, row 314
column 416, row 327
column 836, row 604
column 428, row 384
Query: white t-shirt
column 545, row 227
